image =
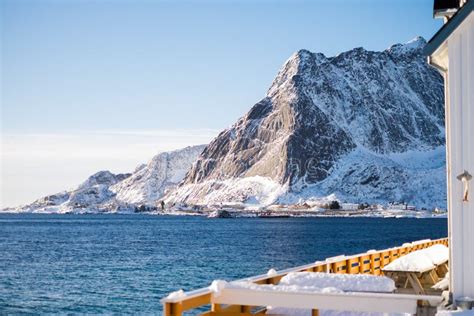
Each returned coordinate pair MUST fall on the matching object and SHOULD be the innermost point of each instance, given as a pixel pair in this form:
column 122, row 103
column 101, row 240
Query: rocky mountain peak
column 320, row 111
column 299, row 64
column 414, row 46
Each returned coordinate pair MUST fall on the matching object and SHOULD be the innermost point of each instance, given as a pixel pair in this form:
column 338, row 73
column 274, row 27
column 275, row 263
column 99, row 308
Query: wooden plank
column 415, row 283
column 393, row 254
column 352, row 265
column 384, row 258
column 375, row 264
column 365, row 264
column 433, row 277
column 166, row 309
column 366, row 302
column 246, row 309
column 195, row 302
column 339, row 267
column 172, row 309
column 216, row 307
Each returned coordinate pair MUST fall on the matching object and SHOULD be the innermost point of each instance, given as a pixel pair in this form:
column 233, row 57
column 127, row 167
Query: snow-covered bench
column 419, row 265
column 336, row 283
column 301, row 293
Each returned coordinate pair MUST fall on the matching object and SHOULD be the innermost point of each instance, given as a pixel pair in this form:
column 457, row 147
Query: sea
column 124, row 264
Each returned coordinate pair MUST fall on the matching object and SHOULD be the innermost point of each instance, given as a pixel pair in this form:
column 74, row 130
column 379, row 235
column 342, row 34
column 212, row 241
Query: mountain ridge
column 319, row 111
column 127, row 192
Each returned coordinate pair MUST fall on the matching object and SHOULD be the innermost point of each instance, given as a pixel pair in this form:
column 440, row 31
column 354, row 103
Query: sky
column 105, row 85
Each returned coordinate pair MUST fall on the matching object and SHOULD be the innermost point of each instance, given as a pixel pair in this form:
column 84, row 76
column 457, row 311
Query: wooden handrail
column 358, row 301
column 370, row 262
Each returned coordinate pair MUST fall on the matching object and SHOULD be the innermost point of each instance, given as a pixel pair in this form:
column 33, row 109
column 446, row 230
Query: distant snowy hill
column 149, row 182
column 92, row 195
column 365, row 126
column 108, row 192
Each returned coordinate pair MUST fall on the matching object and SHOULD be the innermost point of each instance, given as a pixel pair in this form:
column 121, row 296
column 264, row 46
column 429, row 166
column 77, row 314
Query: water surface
column 126, row 263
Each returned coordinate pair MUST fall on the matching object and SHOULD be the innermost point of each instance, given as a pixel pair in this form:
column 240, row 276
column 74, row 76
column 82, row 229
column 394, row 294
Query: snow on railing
column 371, row 262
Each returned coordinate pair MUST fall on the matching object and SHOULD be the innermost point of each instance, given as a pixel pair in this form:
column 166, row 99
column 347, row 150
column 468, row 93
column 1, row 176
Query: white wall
column 460, row 147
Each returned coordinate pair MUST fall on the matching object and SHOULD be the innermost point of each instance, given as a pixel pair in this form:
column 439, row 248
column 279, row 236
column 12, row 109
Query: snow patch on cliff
column 251, row 190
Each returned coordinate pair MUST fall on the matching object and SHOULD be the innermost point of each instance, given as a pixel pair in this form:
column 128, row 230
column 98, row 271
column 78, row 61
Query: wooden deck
column 371, row 262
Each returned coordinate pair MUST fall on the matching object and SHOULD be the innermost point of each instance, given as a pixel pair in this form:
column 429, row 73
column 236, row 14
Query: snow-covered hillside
column 108, row 192
column 149, row 182
column 91, row 195
column 366, row 126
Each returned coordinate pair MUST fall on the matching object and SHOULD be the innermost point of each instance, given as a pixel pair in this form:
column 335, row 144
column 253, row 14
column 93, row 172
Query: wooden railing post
column 216, row 308
column 166, row 309
column 246, row 309
column 172, row 309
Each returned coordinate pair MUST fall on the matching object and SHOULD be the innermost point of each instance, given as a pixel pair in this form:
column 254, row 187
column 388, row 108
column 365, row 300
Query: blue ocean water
column 126, row 263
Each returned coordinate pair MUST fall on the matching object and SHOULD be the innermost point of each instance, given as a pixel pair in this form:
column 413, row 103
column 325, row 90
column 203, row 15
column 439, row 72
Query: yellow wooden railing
column 370, row 262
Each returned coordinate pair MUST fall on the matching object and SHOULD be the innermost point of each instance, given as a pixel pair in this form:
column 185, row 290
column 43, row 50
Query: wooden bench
column 419, row 280
column 420, row 269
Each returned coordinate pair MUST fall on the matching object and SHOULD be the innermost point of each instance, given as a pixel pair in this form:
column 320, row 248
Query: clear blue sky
column 78, row 68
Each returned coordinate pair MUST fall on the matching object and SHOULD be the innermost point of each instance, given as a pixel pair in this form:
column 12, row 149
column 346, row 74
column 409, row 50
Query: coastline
column 389, row 213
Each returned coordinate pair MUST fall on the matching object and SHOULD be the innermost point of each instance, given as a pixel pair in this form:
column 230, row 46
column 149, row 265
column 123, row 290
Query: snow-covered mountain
column 361, row 126
column 149, row 182
column 108, row 192
column 91, row 195
column 366, row 126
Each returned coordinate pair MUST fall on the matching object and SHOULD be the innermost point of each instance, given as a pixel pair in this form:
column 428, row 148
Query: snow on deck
column 420, row 260
column 314, row 282
column 343, row 282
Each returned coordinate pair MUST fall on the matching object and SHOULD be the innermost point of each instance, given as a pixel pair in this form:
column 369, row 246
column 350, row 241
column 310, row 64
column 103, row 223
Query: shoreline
column 251, row 215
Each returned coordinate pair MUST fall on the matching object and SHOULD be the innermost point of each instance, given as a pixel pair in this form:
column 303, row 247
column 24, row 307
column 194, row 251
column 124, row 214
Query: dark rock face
column 315, row 144
column 319, row 109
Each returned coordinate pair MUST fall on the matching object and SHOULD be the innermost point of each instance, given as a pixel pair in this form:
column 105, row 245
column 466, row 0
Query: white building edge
column 451, row 51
